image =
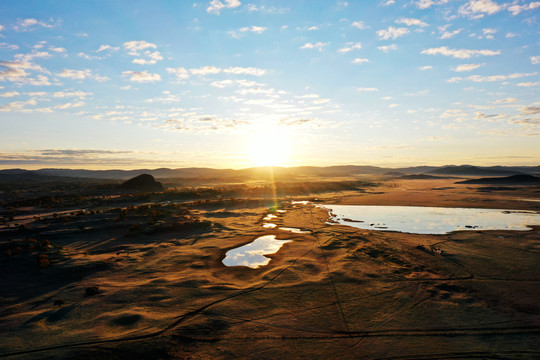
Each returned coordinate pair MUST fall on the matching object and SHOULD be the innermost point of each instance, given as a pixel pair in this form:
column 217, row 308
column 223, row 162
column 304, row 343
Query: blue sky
column 234, row 83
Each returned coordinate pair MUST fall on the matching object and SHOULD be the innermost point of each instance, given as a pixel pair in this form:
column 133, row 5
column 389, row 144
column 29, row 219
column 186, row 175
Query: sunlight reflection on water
column 430, row 220
column 252, row 254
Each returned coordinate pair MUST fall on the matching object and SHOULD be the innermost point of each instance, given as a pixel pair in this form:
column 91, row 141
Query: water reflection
column 430, row 220
column 252, row 254
column 269, row 225
column 295, row 230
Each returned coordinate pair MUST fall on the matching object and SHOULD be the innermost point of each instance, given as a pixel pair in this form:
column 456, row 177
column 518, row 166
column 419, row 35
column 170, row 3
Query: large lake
column 430, row 220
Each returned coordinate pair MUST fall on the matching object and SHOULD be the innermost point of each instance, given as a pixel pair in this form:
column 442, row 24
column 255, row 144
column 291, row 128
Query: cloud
column 69, row 105
column 411, row 22
column 16, row 71
column 9, row 94
column 65, row 94
column 359, row 25
column 506, row 101
column 206, row 70
column 180, row 73
column 535, row 59
column 360, row 61
column 135, row 48
column 387, row 48
column 448, row 34
column 141, row 76
column 75, row 74
column 529, row 84
column 109, row 48
column 392, row 32
column 216, row 6
column 467, row 67
column 459, row 53
column 9, row 46
column 477, row 8
column 367, row 89
column 427, row 67
column 17, row 105
column 31, row 24
column 510, row 35
column 425, row 4
column 516, row 9
column 388, row 2
column 318, row 45
column 530, row 110
column 350, row 47
column 491, row 78
column 244, row 71
column 58, row 50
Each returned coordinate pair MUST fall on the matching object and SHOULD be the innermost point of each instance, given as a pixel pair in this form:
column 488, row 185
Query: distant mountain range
column 521, row 179
column 280, row 173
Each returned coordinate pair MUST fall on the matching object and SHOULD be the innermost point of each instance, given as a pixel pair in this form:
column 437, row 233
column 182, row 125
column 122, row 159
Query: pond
column 252, row 254
column 430, row 220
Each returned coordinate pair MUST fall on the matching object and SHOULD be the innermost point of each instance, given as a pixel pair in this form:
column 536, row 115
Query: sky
column 241, row 83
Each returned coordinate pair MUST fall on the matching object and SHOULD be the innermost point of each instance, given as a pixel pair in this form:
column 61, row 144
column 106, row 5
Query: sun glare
column 269, row 146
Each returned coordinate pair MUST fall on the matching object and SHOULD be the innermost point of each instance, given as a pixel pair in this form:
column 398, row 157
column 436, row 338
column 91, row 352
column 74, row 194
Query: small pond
column 252, row 254
column 430, row 220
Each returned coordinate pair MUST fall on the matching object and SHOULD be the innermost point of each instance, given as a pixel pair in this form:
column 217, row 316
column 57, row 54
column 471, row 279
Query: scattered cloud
column 359, row 25
column 141, row 76
column 350, row 47
column 135, row 48
column 466, row 67
column 490, row 78
column 445, row 34
column 535, row 59
column 367, row 89
column 9, row 94
column 75, row 74
column 318, row 45
column 392, row 33
column 530, row 110
column 459, row 53
column 360, row 61
column 9, row 46
column 510, row 35
column 506, row 101
column 66, row 94
column 216, row 6
column 425, row 4
column 387, row 48
column 411, row 22
column 32, row 24
column 476, row 9
column 529, row 84
column 180, row 73
column 426, row 67
column 108, row 48
column 516, row 9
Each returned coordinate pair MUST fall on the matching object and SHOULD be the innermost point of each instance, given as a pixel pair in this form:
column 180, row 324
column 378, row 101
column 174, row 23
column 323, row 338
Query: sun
column 269, row 145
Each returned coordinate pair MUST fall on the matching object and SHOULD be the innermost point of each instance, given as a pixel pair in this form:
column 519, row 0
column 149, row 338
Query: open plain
column 141, row 277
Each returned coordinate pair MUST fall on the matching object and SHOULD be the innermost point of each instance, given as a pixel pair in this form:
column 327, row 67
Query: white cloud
column 467, row 67
column 510, row 35
column 388, row 2
column 491, row 78
column 392, row 32
column 312, row 28
column 134, row 47
column 411, row 22
column 107, row 48
column 367, row 89
column 69, row 105
column 387, row 48
column 9, row 46
column 78, row 94
column 506, row 101
column 535, row 59
column 31, row 24
column 142, row 76
column 360, row 61
column 58, row 50
column 450, row 34
column 425, row 4
column 477, row 8
column 254, row 29
column 9, row 94
column 17, row 105
column 216, row 6
column 205, row 70
column 360, row 25
column 318, row 45
column 75, row 74
column 244, row 71
column 516, row 9
column 459, row 53
column 221, row 84
column 180, row 73
column 427, row 67
column 529, row 84
column 352, row 46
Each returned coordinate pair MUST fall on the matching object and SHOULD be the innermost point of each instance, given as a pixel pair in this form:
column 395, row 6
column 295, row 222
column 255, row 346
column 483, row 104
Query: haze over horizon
column 236, row 84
